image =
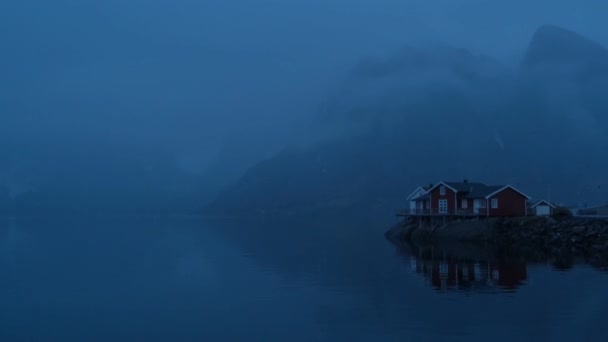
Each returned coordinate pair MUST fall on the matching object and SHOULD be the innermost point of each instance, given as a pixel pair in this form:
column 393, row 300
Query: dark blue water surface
column 298, row 279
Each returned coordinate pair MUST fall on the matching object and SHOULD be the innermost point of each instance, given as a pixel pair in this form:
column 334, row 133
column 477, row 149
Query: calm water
column 327, row 279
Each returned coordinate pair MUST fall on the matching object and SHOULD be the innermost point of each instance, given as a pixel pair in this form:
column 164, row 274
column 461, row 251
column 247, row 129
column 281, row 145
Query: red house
column 471, row 199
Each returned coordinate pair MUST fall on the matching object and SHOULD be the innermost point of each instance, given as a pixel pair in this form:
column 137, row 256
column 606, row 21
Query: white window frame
column 442, row 190
column 464, row 204
column 443, row 209
column 494, row 203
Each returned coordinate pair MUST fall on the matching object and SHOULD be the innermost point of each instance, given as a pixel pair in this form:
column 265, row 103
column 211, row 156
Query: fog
column 105, row 98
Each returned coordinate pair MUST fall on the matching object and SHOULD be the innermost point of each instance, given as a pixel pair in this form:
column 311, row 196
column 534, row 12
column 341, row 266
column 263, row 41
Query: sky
column 201, row 76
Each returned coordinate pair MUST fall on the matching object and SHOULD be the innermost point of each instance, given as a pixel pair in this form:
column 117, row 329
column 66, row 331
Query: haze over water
column 123, row 122
column 185, row 279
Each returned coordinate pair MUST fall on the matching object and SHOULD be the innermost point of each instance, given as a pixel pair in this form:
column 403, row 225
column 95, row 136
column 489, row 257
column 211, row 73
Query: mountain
column 552, row 44
column 442, row 113
column 571, row 72
column 87, row 176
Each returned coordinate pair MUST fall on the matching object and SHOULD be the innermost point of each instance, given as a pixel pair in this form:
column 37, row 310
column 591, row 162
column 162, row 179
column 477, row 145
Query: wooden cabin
column 470, row 199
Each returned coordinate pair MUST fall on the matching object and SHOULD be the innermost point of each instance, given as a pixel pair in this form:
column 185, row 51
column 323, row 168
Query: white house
column 543, row 208
column 411, row 198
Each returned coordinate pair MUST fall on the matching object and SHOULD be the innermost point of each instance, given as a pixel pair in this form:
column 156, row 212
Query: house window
column 442, row 190
column 494, row 203
column 443, row 206
column 464, row 204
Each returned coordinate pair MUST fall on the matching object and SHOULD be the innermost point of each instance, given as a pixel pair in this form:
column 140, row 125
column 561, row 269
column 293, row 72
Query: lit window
column 442, row 190
column 494, row 203
column 465, row 204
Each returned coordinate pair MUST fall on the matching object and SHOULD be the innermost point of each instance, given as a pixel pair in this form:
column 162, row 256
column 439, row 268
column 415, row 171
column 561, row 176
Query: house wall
column 449, row 195
column 469, row 204
column 418, row 193
column 412, row 205
column 543, row 209
column 423, row 204
column 510, row 203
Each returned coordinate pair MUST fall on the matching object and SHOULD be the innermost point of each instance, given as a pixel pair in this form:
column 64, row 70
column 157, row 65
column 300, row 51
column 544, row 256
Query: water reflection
column 294, row 280
column 445, row 270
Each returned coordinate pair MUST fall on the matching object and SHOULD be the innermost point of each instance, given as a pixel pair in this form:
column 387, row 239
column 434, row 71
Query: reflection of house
column 542, row 208
column 468, row 199
column 449, row 273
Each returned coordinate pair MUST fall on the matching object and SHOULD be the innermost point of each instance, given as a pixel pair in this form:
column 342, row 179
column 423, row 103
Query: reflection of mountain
column 429, row 114
column 446, row 272
column 321, row 247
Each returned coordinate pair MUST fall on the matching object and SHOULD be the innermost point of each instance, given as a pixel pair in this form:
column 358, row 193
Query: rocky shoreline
column 536, row 238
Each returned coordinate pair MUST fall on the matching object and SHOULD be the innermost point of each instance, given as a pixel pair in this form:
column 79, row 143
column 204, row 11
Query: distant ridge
column 445, row 113
column 553, row 44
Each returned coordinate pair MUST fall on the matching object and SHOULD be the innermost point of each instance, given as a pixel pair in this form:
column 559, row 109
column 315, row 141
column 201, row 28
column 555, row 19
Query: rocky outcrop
column 541, row 237
column 410, row 229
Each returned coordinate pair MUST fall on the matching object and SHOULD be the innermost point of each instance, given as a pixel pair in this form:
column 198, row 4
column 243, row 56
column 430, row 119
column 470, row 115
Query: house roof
column 545, row 202
column 471, row 189
column 423, row 197
column 454, row 186
column 507, row 187
column 464, row 186
column 475, row 189
column 482, row 190
column 416, row 191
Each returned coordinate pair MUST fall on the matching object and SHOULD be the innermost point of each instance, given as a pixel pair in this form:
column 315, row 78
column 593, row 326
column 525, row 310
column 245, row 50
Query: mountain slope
column 553, row 44
column 444, row 113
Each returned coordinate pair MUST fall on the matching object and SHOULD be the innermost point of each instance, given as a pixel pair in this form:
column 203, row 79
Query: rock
column 590, row 235
column 579, row 229
column 577, row 237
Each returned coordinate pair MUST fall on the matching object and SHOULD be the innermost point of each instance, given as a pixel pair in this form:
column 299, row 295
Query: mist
column 180, row 98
